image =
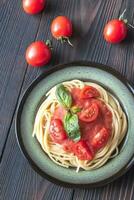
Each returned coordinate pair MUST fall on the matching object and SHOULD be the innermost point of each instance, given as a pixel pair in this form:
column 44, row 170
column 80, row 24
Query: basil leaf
column 63, row 96
column 71, row 126
column 75, row 109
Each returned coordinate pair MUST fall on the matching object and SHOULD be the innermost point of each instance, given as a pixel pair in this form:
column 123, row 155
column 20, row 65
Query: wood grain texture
column 17, row 180
column 15, row 35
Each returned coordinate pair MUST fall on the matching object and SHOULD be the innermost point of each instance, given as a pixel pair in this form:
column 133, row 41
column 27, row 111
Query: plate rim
column 21, row 103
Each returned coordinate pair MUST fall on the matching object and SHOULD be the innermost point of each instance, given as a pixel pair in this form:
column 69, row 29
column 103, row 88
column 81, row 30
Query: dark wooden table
column 18, row 181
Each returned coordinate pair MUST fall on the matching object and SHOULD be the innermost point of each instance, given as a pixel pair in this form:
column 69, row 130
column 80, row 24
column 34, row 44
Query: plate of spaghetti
column 74, row 124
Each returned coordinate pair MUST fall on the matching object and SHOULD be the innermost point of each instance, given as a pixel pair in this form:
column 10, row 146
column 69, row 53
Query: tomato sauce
column 104, row 119
column 89, row 130
column 59, row 113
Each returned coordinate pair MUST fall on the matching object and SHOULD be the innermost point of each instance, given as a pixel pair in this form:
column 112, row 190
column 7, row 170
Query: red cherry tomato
column 89, row 92
column 100, row 139
column 33, row 6
column 57, row 132
column 38, row 54
column 82, row 151
column 115, row 31
column 61, row 27
column 89, row 114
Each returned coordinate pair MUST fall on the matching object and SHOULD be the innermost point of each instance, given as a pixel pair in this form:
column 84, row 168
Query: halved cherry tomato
column 89, row 92
column 89, row 114
column 33, row 6
column 100, row 139
column 82, row 151
column 57, row 132
column 115, row 31
column 61, row 28
column 38, row 54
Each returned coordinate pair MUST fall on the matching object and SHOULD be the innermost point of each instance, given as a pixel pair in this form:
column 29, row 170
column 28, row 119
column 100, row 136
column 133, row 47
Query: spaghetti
column 68, row 159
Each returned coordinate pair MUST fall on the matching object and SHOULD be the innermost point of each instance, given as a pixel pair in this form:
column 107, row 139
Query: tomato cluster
column 39, row 53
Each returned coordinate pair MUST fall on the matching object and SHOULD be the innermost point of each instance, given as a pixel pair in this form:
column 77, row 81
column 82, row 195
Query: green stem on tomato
column 125, row 20
column 65, row 39
column 49, row 44
column 122, row 15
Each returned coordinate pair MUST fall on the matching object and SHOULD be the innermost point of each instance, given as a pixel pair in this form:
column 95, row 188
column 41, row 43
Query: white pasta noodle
column 56, row 152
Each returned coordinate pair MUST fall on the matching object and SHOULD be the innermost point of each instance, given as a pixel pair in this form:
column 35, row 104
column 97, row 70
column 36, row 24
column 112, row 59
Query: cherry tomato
column 89, row 114
column 115, row 31
column 82, row 151
column 61, row 28
column 57, row 132
column 100, row 139
column 38, row 54
column 33, row 6
column 89, row 92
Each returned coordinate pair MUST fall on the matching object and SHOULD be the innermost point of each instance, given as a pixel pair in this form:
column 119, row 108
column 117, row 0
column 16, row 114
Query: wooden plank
column 15, row 35
column 18, row 180
column 121, row 189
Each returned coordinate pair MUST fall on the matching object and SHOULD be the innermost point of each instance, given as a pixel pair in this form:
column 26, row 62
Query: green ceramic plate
column 31, row 99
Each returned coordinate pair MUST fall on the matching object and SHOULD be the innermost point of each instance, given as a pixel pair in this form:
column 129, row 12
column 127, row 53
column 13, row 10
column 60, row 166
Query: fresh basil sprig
column 63, row 96
column 71, row 126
